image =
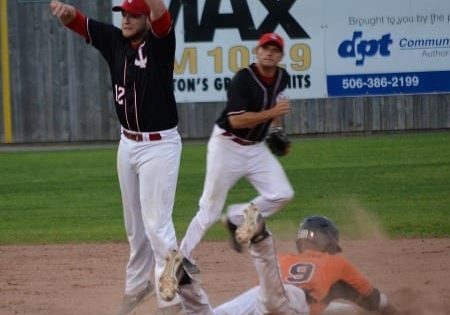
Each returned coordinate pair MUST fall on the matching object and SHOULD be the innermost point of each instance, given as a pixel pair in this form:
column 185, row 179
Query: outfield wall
column 60, row 91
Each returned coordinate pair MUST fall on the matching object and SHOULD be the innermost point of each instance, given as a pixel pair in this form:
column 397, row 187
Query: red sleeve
column 79, row 25
column 162, row 26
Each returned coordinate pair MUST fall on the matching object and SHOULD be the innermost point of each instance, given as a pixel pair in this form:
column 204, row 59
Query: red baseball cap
column 271, row 38
column 133, row 6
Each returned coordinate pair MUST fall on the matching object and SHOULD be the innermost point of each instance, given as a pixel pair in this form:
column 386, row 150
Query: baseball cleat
column 130, row 303
column 169, row 280
column 232, row 229
column 252, row 225
column 190, row 267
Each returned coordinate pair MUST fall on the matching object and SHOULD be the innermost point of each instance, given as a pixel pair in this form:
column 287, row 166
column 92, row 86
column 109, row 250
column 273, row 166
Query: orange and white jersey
column 316, row 272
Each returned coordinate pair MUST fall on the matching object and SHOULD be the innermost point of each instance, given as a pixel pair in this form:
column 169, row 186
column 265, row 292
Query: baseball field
column 63, row 247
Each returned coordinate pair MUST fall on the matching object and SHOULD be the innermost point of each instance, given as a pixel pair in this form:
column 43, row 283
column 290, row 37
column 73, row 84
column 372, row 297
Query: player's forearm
column 157, row 7
column 277, row 122
column 250, row 119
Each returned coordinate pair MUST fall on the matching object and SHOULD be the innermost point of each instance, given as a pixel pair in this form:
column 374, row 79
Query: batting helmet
column 318, row 233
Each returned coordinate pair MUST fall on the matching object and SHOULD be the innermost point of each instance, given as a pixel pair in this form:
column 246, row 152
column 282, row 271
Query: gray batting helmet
column 318, row 233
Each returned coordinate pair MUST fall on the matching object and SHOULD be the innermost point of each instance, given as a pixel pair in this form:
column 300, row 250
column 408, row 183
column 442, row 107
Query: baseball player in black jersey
column 141, row 56
column 236, row 147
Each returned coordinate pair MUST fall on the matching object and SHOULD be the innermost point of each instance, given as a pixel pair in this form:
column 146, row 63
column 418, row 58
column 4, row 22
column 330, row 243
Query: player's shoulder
column 287, row 256
column 287, row 259
column 312, row 254
column 301, row 257
column 240, row 79
column 103, row 29
column 169, row 34
column 283, row 71
column 339, row 261
column 284, row 74
column 243, row 73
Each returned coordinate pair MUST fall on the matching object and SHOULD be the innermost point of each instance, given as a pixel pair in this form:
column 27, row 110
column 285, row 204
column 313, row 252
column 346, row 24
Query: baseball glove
column 278, row 142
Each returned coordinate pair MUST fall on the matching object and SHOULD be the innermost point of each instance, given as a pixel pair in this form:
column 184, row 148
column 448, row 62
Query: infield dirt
column 88, row 279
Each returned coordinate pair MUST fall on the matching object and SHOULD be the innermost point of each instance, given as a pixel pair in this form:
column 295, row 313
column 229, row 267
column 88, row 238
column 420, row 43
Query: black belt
column 238, row 140
column 138, row 137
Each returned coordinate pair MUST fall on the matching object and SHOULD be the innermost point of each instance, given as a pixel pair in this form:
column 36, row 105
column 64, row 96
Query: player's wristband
column 79, row 25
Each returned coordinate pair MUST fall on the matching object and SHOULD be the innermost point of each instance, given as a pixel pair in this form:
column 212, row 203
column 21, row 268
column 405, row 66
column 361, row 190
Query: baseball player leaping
column 309, row 281
column 236, row 148
column 141, row 56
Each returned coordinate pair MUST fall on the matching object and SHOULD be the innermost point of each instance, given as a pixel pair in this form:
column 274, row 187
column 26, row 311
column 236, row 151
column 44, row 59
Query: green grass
column 397, row 185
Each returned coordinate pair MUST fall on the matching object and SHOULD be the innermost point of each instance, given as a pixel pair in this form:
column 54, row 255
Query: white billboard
column 333, row 47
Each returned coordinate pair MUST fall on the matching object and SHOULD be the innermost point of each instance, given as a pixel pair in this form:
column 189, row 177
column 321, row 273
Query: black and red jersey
column 249, row 92
column 142, row 77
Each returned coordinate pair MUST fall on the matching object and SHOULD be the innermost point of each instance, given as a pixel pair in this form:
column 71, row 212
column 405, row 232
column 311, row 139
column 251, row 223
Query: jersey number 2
column 119, row 92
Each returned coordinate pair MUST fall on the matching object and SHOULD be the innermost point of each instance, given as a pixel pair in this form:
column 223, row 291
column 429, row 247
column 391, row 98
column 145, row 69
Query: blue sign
column 388, row 83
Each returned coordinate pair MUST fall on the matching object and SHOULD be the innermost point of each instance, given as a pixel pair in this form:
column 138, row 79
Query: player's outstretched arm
column 157, row 7
column 64, row 12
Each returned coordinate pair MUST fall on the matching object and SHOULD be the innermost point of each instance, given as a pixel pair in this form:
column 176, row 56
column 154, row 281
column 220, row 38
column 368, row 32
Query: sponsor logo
column 360, row 48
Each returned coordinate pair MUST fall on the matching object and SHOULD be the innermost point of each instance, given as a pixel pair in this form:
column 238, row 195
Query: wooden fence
column 61, row 91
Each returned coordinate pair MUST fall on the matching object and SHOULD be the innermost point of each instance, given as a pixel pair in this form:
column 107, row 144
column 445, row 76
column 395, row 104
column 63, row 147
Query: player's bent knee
column 289, row 195
column 285, row 196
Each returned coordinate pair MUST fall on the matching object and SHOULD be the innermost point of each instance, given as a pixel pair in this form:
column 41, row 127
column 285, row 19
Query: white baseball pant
column 227, row 162
column 148, row 173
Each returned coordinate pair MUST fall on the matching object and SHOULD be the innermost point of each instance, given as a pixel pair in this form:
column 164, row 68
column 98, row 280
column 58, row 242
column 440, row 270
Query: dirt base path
column 88, row 279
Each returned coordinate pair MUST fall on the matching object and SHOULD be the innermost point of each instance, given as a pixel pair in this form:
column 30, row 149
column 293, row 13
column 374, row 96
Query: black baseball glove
column 277, row 141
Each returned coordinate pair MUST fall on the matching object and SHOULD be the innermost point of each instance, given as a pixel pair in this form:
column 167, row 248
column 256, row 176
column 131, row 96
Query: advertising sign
column 332, row 48
column 387, row 47
column 217, row 38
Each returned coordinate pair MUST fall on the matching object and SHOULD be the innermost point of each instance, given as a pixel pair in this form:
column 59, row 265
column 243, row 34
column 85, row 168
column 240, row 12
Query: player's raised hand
column 64, row 12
